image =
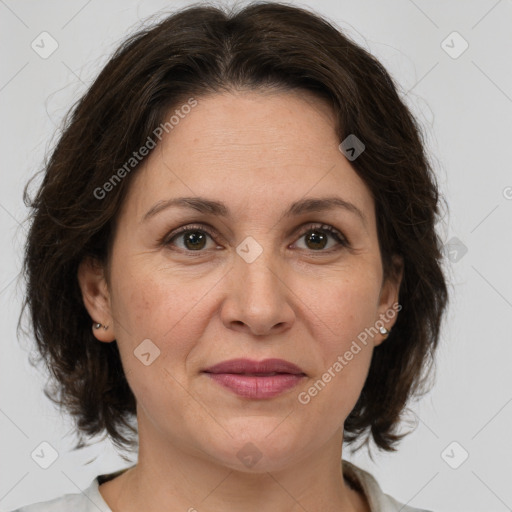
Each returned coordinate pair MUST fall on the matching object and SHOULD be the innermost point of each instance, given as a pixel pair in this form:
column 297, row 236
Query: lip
column 256, row 379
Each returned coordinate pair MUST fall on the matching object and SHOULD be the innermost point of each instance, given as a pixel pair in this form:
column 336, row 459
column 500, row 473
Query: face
column 258, row 279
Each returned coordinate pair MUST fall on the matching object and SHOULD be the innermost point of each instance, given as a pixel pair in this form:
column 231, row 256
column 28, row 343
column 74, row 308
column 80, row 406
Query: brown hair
column 196, row 51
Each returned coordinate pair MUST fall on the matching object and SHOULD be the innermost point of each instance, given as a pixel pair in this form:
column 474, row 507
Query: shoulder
column 89, row 500
column 62, row 504
column 393, row 505
column 377, row 499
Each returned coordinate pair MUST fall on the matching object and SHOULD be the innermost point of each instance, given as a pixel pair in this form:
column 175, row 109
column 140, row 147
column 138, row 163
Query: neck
column 173, row 477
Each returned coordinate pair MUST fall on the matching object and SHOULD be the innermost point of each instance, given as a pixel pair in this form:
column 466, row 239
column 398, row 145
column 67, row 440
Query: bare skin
column 298, row 300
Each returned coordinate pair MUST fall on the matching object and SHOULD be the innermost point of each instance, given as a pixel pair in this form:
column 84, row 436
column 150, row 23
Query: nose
column 257, row 297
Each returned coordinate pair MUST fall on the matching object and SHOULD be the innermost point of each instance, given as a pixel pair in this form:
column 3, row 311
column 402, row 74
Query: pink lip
column 256, row 379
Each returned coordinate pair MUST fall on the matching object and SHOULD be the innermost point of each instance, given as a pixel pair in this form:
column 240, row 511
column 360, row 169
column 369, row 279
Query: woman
column 234, row 243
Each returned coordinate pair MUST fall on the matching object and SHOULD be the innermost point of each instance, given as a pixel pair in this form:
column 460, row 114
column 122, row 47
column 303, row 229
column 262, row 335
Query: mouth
column 256, row 379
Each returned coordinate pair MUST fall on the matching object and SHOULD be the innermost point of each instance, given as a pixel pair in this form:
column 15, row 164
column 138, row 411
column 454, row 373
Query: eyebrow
column 208, row 206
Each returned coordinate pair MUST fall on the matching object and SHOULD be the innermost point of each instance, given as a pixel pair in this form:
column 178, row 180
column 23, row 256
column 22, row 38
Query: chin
column 260, row 448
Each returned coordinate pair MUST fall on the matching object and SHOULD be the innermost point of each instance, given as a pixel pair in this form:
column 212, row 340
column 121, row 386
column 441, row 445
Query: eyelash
column 325, row 228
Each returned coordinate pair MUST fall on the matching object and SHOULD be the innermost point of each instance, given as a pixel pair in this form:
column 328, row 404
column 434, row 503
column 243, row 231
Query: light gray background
column 465, row 106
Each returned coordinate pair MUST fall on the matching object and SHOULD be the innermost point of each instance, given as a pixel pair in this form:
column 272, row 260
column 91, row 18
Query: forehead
column 251, row 149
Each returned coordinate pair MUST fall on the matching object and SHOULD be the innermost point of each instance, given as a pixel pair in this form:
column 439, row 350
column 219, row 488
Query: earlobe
column 96, row 298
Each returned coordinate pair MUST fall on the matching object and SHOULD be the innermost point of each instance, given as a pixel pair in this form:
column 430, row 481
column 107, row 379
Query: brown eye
column 317, row 238
column 188, row 238
column 194, row 240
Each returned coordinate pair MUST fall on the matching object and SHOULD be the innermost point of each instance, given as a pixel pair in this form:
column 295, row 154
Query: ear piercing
column 384, row 331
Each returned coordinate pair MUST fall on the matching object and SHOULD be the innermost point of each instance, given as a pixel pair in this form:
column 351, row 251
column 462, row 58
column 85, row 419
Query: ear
column 388, row 307
column 96, row 297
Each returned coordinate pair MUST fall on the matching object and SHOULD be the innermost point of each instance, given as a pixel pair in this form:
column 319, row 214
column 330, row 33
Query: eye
column 317, row 237
column 194, row 238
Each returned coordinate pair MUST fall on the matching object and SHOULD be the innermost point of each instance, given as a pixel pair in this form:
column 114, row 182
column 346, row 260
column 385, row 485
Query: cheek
column 158, row 310
column 346, row 357
column 347, row 307
column 152, row 302
column 333, row 395
column 347, row 312
column 170, row 311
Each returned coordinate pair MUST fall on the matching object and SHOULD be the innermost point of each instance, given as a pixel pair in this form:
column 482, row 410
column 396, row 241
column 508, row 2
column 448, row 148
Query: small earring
column 98, row 325
column 383, row 331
